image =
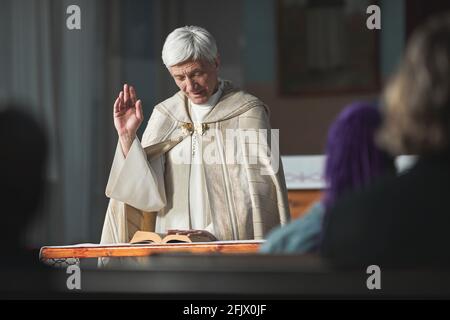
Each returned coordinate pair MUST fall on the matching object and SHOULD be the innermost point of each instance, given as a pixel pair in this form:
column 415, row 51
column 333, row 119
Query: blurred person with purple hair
column 404, row 221
column 353, row 162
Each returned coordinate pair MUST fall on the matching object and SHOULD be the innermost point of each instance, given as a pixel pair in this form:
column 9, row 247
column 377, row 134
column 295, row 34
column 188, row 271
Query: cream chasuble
column 246, row 198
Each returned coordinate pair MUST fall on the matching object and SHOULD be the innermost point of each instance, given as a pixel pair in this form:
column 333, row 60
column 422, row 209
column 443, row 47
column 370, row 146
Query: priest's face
column 198, row 80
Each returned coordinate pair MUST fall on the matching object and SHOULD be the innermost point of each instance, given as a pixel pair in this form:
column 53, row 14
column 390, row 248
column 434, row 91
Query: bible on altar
column 145, row 237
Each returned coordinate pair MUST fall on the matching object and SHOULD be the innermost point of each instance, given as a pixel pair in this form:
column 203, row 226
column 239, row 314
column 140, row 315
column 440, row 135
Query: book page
column 142, row 237
column 176, row 238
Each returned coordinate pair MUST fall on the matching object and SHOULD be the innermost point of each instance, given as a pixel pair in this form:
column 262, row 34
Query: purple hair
column 353, row 159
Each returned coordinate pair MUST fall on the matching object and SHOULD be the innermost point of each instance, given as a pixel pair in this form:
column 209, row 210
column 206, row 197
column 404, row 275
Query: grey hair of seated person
column 417, row 113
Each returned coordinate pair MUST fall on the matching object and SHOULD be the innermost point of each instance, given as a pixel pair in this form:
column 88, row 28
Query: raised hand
column 128, row 116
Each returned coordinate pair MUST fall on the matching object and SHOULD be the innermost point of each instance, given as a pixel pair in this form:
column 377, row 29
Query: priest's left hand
column 204, row 233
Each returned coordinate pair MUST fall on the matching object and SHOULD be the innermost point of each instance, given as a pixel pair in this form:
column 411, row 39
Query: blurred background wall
column 69, row 79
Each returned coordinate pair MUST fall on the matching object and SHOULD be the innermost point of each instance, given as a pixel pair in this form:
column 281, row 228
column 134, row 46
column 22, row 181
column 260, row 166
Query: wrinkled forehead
column 189, row 67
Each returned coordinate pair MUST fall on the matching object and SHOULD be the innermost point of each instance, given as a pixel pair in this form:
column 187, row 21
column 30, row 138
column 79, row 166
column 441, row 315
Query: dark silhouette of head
column 23, row 148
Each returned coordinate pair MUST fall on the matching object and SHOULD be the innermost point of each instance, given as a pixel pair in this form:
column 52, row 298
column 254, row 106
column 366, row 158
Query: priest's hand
column 202, row 233
column 128, row 116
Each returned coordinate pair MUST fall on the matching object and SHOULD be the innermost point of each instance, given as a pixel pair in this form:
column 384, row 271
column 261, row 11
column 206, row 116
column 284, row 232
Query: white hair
column 188, row 43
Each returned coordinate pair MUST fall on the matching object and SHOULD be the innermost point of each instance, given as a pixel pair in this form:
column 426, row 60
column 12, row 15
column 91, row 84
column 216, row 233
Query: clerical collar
column 212, row 100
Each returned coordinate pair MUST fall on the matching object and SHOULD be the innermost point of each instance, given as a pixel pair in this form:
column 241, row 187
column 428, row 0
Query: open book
column 143, row 237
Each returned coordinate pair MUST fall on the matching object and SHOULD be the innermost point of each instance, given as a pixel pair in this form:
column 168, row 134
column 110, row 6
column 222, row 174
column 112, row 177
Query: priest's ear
column 217, row 61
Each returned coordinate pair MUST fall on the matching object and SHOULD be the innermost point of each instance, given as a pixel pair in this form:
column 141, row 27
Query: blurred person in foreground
column 404, row 221
column 353, row 161
column 23, row 150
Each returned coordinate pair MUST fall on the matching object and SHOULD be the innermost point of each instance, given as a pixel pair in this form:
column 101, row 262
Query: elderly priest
column 208, row 160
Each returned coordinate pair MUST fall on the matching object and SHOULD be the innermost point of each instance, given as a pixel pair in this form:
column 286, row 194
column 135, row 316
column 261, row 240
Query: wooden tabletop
column 125, row 250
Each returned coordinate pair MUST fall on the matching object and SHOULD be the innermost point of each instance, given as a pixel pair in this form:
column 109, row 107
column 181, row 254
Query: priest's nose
column 190, row 85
